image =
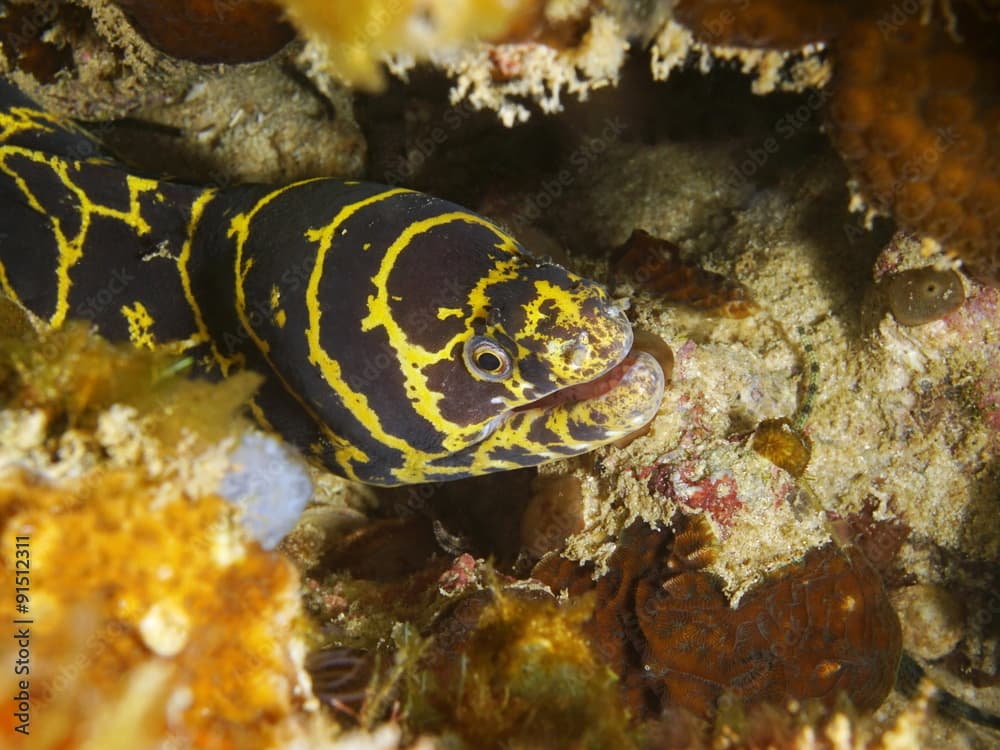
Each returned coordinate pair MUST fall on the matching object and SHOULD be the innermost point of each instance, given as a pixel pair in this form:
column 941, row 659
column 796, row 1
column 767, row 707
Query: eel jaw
column 586, row 416
column 617, row 403
column 567, row 423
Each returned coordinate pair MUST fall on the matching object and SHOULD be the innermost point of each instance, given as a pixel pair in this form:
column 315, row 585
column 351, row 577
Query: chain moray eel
column 404, row 338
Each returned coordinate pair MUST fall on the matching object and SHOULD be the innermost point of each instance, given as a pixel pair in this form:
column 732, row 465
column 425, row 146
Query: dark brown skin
column 813, row 629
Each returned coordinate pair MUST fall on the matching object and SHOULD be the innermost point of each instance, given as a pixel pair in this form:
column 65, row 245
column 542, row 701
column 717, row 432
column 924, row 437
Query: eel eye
column 486, row 359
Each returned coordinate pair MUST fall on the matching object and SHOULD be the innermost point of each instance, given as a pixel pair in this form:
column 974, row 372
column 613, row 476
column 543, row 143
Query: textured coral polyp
column 912, row 106
column 817, row 628
column 913, row 113
column 781, row 444
column 514, row 669
column 154, row 617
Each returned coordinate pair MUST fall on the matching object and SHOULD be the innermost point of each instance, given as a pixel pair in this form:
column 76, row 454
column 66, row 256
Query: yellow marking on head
column 140, row 325
column 423, row 399
column 280, row 318
column 275, row 297
column 443, row 313
column 578, row 358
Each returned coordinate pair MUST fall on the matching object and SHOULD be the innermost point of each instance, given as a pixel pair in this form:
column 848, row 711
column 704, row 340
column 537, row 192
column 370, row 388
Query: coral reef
column 218, row 124
column 152, row 615
column 498, row 657
column 911, row 111
column 24, row 47
column 779, row 24
column 811, row 630
column 910, row 108
column 136, row 591
column 825, row 411
column 244, row 124
column 779, row 442
column 355, row 37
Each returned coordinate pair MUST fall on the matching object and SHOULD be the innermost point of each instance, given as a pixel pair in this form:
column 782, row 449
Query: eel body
column 403, row 338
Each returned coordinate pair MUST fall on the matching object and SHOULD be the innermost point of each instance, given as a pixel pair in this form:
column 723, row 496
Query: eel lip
column 615, row 404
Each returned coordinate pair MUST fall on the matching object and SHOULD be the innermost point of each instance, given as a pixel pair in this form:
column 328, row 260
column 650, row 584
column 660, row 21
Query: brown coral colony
column 911, row 113
column 816, row 629
column 209, row 31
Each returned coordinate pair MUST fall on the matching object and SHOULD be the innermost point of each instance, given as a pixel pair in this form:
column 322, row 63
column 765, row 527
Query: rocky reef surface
column 831, row 167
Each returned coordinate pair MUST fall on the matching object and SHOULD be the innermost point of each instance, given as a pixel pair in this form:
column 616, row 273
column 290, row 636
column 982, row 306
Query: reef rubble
column 759, row 147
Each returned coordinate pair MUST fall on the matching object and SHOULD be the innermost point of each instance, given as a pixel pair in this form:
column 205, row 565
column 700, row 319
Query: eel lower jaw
column 602, row 410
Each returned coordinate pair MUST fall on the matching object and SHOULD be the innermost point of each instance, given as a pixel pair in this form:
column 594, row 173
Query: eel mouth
column 571, row 421
column 588, row 415
column 592, row 389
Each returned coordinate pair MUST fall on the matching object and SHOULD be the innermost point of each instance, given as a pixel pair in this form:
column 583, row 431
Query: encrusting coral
column 130, row 583
column 513, row 667
column 356, row 36
column 154, row 616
